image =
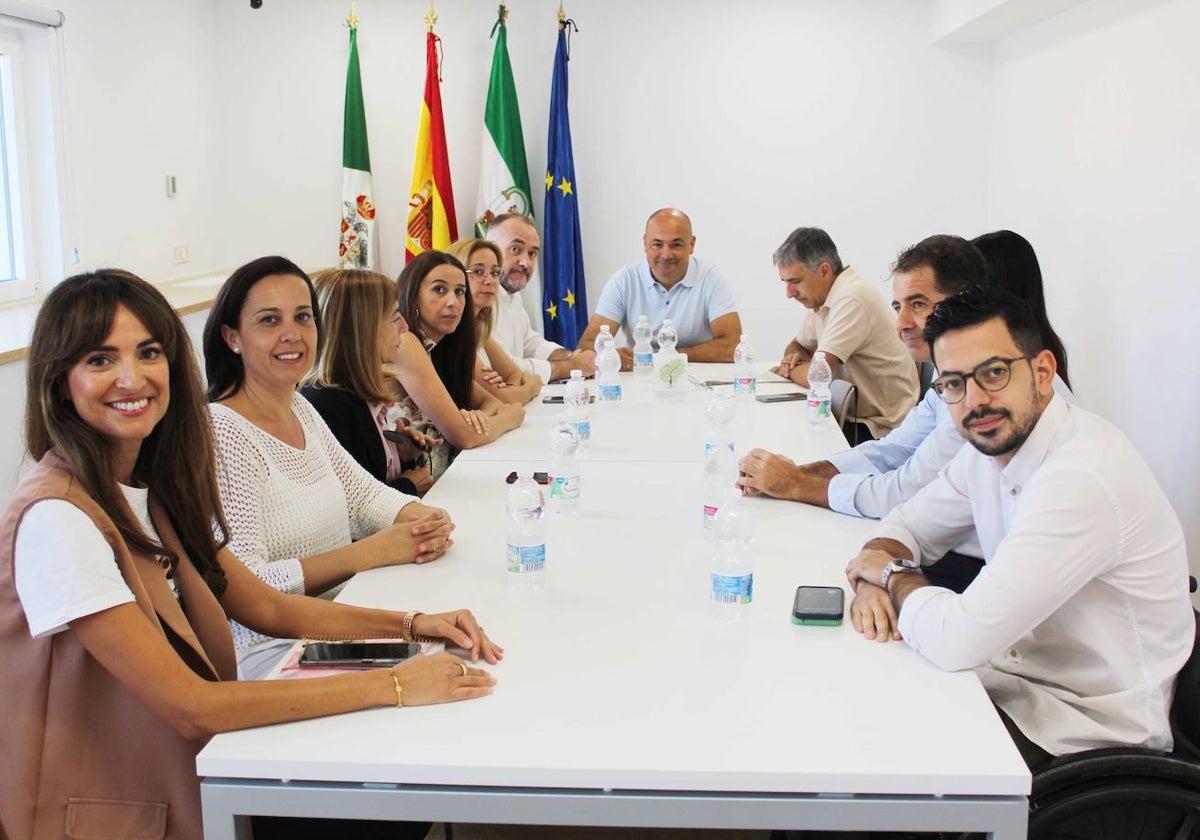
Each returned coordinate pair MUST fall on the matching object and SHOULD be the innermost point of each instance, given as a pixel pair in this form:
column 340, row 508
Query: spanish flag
column 431, row 223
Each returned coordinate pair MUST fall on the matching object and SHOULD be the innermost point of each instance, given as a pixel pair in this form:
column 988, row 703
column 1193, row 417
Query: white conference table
column 624, row 697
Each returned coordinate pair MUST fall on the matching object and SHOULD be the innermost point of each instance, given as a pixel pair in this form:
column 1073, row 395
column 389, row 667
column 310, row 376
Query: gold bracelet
column 399, row 691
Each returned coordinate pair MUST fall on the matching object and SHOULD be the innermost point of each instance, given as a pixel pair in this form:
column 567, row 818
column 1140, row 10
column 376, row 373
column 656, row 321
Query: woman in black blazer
column 349, row 387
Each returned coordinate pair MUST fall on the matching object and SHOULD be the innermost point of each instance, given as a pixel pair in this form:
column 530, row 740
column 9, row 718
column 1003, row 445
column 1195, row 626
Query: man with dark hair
column 513, row 331
column 1080, row 619
column 849, row 323
column 669, row 283
column 874, row 477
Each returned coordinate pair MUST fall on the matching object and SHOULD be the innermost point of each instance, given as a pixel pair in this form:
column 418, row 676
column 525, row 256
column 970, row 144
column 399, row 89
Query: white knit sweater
column 282, row 504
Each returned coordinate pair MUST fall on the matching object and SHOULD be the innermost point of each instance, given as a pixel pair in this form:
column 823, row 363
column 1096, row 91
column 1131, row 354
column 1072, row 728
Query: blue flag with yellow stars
column 564, row 295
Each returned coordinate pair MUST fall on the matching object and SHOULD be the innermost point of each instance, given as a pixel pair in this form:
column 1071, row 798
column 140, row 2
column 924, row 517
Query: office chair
column 843, row 403
column 1125, row 792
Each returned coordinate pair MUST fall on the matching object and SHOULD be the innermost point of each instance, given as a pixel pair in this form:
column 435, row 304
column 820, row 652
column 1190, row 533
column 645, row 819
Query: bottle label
column 710, row 515
column 709, row 446
column 584, row 428
column 565, row 487
column 744, row 384
column 526, row 558
column 818, row 408
column 737, row 589
column 643, row 360
column 610, row 393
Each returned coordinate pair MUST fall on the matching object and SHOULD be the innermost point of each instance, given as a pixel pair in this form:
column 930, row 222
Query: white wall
column 1093, row 158
column 755, row 122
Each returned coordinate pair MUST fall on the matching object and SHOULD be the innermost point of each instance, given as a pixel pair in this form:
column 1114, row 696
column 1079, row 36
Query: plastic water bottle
column 819, row 377
column 744, row 378
column 732, row 571
column 609, row 365
column 603, row 338
column 564, row 468
column 720, row 473
column 526, row 527
column 577, row 400
column 719, row 415
column 667, row 337
column 643, row 352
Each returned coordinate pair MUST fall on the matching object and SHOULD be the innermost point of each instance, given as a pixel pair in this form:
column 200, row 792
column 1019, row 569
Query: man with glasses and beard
column 1080, row 619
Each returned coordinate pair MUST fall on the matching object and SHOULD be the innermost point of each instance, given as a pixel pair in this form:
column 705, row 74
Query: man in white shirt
column 520, row 244
column 1080, row 619
column 669, row 283
column 849, row 322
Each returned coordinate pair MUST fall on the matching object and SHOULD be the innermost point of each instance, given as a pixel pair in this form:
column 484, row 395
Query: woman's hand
column 492, row 378
column 441, row 678
column 429, row 528
column 460, row 629
column 421, row 478
column 476, row 420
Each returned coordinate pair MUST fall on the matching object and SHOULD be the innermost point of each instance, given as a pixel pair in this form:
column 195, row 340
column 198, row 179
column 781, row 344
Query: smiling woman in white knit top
column 302, row 514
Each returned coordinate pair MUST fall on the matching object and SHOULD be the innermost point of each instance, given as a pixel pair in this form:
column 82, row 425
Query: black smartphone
column 786, row 396
column 557, row 399
column 818, row 605
column 357, row 654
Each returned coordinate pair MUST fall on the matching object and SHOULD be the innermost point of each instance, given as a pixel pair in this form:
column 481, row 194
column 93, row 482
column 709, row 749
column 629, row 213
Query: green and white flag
column 503, row 172
column 357, row 248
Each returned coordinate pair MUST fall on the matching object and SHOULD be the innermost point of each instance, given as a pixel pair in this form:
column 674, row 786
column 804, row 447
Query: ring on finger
column 463, row 665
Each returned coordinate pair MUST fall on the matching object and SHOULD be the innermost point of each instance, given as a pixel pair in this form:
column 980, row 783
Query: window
column 33, row 224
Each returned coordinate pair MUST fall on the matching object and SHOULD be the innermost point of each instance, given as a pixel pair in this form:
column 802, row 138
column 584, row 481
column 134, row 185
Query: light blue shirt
column 692, row 304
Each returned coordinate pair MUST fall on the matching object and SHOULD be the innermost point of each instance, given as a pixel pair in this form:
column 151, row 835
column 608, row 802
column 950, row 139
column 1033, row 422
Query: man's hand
column 867, row 566
column 788, row 363
column 626, row 354
column 761, row 471
column 873, row 614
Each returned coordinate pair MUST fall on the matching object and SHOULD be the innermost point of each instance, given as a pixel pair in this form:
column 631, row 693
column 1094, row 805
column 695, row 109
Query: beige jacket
column 82, row 755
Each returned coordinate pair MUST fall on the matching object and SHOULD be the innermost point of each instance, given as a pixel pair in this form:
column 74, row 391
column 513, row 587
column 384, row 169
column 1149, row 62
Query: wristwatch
column 898, row 564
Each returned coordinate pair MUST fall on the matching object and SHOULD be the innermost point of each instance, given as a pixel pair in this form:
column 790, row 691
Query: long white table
column 624, row 697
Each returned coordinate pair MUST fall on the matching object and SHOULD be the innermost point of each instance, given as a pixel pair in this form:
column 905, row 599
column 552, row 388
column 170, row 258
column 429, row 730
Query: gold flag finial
column 504, row 12
column 562, row 16
column 430, row 17
column 352, row 20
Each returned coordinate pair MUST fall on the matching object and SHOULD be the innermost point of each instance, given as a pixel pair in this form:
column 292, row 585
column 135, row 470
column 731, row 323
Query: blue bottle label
column 610, row 393
column 643, row 360
column 565, row 487
column 732, row 590
column 709, row 446
column 584, row 428
column 526, row 558
column 744, row 384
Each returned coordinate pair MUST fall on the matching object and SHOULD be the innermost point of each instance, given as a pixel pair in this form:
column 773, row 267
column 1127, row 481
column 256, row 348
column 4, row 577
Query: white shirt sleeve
column 64, row 568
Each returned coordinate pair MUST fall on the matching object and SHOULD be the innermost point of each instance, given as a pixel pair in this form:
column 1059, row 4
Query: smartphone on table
column 822, row 605
column 786, row 396
column 557, row 399
column 357, row 654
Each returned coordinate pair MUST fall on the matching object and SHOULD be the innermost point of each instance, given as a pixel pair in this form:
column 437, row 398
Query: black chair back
column 1185, row 709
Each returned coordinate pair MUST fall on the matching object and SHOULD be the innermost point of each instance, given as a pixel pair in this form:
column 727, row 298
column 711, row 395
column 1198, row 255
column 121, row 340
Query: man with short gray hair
column 850, row 322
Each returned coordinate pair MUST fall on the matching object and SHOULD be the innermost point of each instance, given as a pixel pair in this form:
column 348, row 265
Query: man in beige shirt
column 850, row 322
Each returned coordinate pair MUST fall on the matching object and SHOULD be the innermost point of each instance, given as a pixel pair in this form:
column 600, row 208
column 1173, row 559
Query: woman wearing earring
column 435, row 366
column 303, row 515
column 115, row 595
column 495, row 371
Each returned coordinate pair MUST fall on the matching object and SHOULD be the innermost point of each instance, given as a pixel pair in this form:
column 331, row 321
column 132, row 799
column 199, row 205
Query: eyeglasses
column 993, row 375
column 479, row 272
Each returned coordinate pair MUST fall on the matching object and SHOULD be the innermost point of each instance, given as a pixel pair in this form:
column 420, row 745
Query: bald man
column 669, row 283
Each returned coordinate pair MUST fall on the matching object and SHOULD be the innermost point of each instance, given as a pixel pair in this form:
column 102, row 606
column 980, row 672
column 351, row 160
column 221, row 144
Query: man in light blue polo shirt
column 669, row 283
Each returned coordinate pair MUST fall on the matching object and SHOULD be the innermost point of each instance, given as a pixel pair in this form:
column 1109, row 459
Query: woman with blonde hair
column 115, row 589
column 349, row 387
column 495, row 370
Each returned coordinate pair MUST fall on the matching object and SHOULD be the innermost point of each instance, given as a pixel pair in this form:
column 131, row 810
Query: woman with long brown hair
column 116, row 590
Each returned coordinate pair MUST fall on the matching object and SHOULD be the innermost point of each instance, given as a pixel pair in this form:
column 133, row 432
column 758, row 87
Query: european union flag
column 564, row 295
